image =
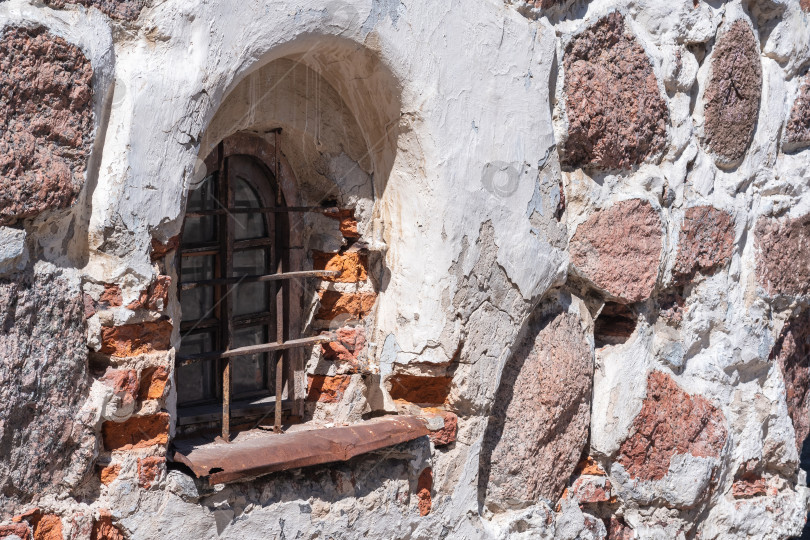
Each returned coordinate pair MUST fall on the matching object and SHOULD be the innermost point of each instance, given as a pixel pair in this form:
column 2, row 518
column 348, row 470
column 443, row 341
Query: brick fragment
column 353, row 266
column 160, row 250
column 335, row 304
column 109, row 474
column 136, row 339
column 155, row 297
column 19, row 530
column 446, row 434
column 417, row 389
column 153, row 382
column 137, row 432
column 104, row 529
column 424, row 486
column 325, row 389
column 349, row 344
column 150, row 469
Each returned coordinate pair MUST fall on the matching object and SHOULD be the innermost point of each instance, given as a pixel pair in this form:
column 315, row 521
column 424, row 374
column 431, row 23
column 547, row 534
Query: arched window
column 233, row 291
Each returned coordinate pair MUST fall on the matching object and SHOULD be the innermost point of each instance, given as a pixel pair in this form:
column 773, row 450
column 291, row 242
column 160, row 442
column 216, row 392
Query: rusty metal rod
column 264, row 209
column 256, row 349
column 266, row 277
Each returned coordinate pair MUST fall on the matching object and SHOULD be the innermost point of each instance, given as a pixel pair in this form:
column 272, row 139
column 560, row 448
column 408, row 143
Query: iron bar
column 264, row 210
column 256, row 349
column 266, row 277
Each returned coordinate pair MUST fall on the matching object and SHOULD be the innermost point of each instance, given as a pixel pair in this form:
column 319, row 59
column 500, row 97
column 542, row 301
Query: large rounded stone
column 797, row 130
column 792, row 352
column 540, row 417
column 616, row 115
column 619, row 249
column 46, row 122
column 783, row 255
column 43, row 383
column 671, row 422
column 127, row 10
column 731, row 101
column 706, row 242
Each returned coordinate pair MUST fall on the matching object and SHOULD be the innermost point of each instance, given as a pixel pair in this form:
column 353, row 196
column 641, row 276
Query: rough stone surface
column 783, row 255
column 792, row 353
column 43, row 383
column 731, row 101
column 48, row 527
column 671, row 422
column 619, row 249
column 137, row 432
column 46, row 122
column 539, row 423
column 706, row 242
column 797, row 129
column 616, row 115
column 135, row 339
column 20, row 530
column 127, row 10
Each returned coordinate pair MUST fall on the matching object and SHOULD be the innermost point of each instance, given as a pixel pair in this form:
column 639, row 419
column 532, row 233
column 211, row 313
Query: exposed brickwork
column 350, row 343
column 326, row 389
column 155, row 297
column 353, row 266
column 103, row 529
column 44, row 381
column 46, row 122
column 153, row 382
column 137, row 432
column 590, row 467
column 48, row 527
column 348, row 223
column 731, row 101
column 335, row 304
column 783, row 255
column 619, row 249
column 671, row 422
column 706, row 242
column 127, row 10
column 160, row 250
column 792, row 354
column 797, row 129
column 749, row 486
column 124, row 383
column 136, row 339
column 538, row 427
column 616, row 115
column 416, row 389
column 150, row 469
column 423, row 488
column 109, row 474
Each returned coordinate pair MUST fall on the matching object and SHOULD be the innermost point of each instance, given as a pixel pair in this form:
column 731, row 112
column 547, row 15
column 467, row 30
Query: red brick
column 160, row 250
column 416, row 389
column 153, row 382
column 155, row 297
column 335, row 304
column 136, row 339
column 109, row 474
column 447, row 433
column 423, row 488
column 124, row 383
column 137, row 432
column 353, row 266
column 48, row 527
column 350, row 343
column 348, row 223
column 103, row 528
column 324, row 389
column 588, row 489
column 150, row 470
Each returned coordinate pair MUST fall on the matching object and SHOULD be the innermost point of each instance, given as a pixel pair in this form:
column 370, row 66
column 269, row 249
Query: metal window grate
column 223, row 323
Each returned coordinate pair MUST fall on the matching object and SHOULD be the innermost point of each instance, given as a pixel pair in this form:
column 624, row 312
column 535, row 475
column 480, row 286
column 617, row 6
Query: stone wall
column 573, row 237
